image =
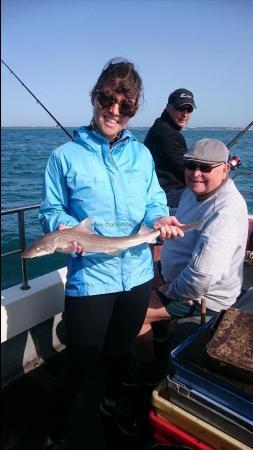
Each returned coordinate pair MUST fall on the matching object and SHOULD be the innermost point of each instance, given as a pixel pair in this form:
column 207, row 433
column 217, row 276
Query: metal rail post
column 21, row 227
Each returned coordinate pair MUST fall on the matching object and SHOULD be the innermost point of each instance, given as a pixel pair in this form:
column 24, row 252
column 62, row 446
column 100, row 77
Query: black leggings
column 103, row 328
column 100, row 332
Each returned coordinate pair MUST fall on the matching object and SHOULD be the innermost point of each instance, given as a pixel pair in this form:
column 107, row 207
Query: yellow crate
column 191, row 424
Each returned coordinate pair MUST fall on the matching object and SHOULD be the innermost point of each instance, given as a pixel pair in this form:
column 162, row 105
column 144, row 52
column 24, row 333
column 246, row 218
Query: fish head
column 39, row 248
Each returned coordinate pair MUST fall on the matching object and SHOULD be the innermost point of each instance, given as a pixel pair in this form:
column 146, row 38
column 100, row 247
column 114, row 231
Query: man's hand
column 169, row 227
column 189, row 302
column 163, row 288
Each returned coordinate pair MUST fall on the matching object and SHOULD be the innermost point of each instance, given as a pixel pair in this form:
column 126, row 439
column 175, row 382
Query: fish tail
column 193, row 226
column 199, row 225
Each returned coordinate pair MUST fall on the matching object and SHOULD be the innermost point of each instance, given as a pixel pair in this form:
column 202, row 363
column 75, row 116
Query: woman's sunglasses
column 188, row 109
column 107, row 100
column 206, row 168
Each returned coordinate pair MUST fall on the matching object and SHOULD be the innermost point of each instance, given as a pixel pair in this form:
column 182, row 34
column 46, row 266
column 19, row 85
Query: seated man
column 208, row 263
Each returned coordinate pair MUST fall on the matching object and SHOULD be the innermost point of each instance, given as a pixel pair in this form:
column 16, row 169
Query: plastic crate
column 191, row 424
column 167, row 433
column 211, row 412
column 191, row 366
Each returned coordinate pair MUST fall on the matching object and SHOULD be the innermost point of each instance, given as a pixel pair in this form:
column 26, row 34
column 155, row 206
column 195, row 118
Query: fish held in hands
column 63, row 240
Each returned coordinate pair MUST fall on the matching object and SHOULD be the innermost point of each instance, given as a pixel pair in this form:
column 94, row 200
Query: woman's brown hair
column 120, row 76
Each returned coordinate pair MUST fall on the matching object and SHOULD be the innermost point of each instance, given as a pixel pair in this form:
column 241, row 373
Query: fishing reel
column 234, row 162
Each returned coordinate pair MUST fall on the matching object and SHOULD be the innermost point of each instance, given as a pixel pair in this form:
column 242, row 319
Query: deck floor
column 35, row 410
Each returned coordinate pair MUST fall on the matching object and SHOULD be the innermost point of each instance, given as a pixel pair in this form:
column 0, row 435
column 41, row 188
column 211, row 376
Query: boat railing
column 22, row 239
column 20, row 211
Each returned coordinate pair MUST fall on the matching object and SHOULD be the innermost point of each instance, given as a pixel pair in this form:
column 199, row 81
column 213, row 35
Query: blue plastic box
column 192, row 367
column 210, row 411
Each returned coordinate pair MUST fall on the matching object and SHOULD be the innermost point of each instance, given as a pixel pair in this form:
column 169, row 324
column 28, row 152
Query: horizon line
column 132, row 127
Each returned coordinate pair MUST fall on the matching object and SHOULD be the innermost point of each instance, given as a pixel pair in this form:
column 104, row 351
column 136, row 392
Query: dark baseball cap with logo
column 181, row 97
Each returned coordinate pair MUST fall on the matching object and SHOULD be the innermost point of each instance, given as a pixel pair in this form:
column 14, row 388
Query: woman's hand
column 169, row 227
column 73, row 247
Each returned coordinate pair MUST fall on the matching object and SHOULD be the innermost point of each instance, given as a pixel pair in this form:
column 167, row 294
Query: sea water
column 25, row 152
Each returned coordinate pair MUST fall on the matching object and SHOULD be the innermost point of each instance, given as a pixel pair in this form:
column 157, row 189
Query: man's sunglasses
column 206, row 168
column 188, row 109
column 106, row 100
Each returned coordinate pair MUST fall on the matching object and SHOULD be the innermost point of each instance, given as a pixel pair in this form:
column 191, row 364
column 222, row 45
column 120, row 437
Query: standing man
column 167, row 145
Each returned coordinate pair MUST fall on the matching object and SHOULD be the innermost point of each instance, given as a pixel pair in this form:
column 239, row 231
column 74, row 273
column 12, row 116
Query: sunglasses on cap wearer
column 107, row 100
column 206, row 168
column 188, row 109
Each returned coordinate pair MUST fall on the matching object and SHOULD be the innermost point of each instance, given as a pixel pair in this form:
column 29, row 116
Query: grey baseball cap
column 209, row 151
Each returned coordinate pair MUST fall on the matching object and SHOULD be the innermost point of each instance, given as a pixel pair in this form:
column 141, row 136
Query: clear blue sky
column 58, row 48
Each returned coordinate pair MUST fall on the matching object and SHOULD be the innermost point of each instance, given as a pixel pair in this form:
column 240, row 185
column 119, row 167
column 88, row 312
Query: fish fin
column 144, row 229
column 114, row 253
column 71, row 248
column 86, row 226
column 153, row 237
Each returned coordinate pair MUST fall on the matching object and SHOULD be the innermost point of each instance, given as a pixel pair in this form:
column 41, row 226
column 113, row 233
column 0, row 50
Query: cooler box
column 210, row 411
column 191, row 366
column 194, row 426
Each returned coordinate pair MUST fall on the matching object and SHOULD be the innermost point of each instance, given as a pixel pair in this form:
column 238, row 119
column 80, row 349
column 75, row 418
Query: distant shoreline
column 131, row 128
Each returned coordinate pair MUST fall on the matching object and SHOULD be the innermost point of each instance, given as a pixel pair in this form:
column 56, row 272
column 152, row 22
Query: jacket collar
column 201, row 198
column 166, row 117
column 93, row 138
column 86, row 133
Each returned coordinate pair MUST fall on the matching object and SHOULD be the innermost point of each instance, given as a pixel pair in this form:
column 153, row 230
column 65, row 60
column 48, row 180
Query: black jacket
column 167, row 146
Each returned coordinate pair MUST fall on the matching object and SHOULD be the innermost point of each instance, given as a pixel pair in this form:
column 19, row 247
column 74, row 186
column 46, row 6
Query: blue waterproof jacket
column 116, row 186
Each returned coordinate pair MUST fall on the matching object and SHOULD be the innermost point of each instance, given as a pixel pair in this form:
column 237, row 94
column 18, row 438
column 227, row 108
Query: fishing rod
column 38, row 101
column 235, row 139
column 235, row 161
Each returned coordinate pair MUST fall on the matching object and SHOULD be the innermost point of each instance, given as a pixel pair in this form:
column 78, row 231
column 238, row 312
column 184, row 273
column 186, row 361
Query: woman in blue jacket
column 108, row 175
